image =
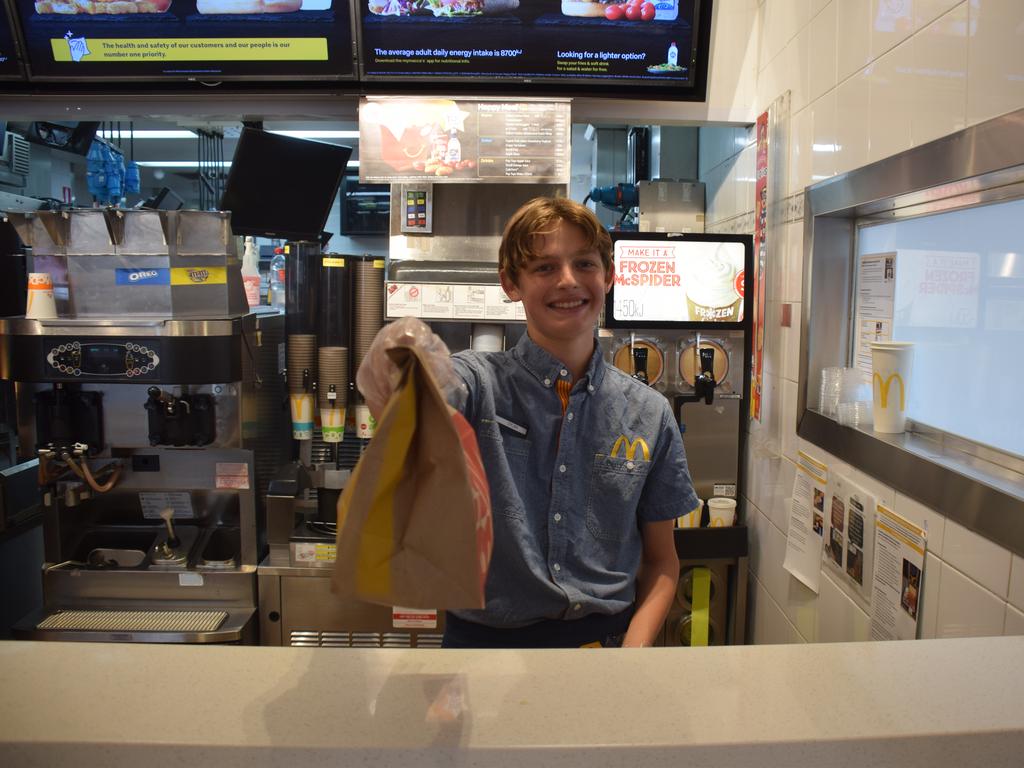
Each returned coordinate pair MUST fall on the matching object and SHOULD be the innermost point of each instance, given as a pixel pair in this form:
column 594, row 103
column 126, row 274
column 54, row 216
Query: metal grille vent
column 312, row 639
column 18, row 155
column 135, row 621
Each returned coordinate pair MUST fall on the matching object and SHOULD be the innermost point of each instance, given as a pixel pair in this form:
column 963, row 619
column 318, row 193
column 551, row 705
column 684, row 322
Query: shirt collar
column 547, row 369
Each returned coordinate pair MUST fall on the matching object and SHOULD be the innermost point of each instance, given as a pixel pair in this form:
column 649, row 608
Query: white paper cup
column 691, row 520
column 891, row 364
column 366, row 425
column 40, row 304
column 332, row 424
column 488, row 337
column 302, row 416
column 722, row 512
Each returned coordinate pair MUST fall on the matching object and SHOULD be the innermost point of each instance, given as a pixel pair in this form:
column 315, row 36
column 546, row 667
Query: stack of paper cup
column 368, row 307
column 332, row 392
column 722, row 512
column 891, row 364
column 301, row 358
column 40, row 304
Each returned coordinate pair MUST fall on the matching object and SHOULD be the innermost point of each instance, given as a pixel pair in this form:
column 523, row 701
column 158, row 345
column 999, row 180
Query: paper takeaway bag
column 414, row 521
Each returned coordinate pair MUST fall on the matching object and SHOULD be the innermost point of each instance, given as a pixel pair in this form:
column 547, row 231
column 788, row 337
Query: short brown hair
column 539, row 217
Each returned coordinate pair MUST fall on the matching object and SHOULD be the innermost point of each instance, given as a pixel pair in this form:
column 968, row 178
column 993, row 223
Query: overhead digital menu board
column 465, row 140
column 9, row 66
column 187, row 39
column 643, row 44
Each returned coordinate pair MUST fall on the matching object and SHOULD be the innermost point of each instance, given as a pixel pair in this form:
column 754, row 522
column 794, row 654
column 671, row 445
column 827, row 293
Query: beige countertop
column 925, row 703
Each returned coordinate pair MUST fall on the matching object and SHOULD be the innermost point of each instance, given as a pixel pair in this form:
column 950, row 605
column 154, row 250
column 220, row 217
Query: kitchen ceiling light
column 195, row 164
column 319, row 134
column 147, row 134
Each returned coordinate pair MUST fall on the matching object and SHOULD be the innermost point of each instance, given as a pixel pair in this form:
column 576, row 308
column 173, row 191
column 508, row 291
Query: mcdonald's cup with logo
column 891, row 365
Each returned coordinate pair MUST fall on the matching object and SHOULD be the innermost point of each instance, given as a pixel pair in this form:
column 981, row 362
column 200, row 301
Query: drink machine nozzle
column 640, row 364
column 704, row 379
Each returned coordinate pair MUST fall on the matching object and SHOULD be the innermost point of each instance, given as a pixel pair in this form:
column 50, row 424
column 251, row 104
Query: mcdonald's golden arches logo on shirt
column 630, row 447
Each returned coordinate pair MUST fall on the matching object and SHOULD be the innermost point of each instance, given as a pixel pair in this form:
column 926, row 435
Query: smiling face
column 562, row 287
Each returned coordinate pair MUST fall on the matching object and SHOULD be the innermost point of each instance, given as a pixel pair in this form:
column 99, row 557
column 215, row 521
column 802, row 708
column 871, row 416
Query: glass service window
column 959, row 297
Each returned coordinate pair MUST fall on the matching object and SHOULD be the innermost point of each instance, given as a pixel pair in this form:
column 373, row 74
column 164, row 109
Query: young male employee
column 586, row 465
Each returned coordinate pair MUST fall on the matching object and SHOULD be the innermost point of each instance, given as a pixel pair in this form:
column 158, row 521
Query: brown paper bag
column 414, row 521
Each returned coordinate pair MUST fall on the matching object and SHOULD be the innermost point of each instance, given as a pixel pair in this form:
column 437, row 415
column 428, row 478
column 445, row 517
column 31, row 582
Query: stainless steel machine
column 154, row 408
column 675, row 320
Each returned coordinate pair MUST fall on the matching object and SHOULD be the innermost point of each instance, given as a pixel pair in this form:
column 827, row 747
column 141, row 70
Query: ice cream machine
column 676, row 319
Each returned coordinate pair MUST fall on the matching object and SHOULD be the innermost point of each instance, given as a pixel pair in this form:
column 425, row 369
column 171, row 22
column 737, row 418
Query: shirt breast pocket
column 615, row 487
column 507, row 458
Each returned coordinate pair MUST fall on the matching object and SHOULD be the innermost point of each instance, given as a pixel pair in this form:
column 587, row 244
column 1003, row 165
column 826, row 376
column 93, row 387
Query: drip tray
column 134, row 621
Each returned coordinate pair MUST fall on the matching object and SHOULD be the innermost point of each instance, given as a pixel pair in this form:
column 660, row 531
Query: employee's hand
column 378, row 376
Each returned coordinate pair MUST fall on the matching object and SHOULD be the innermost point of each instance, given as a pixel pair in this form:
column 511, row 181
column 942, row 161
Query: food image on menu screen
column 196, row 39
column 644, row 42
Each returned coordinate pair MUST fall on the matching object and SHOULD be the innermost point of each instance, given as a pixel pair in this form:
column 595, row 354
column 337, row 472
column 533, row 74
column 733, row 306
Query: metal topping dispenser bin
column 153, row 405
column 144, row 262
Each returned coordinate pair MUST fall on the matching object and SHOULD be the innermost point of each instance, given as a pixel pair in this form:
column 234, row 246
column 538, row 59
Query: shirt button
column 561, row 468
column 557, row 517
column 569, row 416
column 557, row 567
column 590, row 387
column 630, row 465
column 547, row 382
column 563, row 372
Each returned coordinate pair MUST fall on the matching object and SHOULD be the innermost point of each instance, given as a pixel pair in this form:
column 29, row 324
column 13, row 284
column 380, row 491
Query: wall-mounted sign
column 656, row 44
column 446, row 140
column 187, row 39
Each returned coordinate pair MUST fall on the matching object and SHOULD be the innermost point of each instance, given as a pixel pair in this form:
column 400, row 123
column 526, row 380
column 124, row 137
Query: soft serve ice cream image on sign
column 712, row 279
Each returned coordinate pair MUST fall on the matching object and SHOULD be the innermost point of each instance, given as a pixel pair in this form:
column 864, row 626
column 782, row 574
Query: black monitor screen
column 9, row 66
column 282, row 187
column 187, row 39
column 659, row 46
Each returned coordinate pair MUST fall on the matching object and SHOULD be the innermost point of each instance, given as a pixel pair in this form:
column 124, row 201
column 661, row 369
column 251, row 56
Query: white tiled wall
column 867, row 79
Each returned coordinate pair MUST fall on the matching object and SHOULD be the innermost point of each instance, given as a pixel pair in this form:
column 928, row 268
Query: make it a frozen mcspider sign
column 678, row 281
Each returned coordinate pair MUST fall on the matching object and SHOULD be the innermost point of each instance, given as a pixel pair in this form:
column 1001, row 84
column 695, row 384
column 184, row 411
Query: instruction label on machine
column 413, row 618
column 152, row 502
column 435, row 301
column 314, row 552
column 233, row 475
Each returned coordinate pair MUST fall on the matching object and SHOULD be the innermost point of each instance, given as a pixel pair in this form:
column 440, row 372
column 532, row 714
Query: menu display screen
column 641, row 43
column 187, row 39
column 9, row 66
column 669, row 280
column 446, row 140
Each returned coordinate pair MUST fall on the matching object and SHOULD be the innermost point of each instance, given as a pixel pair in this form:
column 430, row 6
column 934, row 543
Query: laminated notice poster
column 849, row 536
column 876, row 287
column 898, row 577
column 807, row 521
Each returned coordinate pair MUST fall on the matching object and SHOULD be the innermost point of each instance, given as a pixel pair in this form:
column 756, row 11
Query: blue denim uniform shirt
column 569, row 493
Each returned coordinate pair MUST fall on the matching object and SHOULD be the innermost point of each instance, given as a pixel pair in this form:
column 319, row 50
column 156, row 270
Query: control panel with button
column 83, row 359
